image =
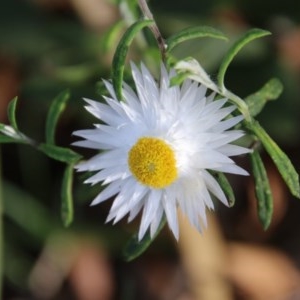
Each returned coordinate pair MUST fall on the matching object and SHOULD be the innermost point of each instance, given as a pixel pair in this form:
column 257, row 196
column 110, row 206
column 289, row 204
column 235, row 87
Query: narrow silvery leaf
column 270, row 91
column 262, row 190
column 65, row 155
column 195, row 71
column 57, row 107
column 193, row 33
column 119, row 58
column 11, row 112
column 14, row 135
column 67, row 209
column 235, row 48
column 9, row 131
column 135, row 248
column 226, row 187
column 284, row 165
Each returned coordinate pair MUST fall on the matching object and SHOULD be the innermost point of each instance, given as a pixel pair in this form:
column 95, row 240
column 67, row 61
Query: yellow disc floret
column 152, row 162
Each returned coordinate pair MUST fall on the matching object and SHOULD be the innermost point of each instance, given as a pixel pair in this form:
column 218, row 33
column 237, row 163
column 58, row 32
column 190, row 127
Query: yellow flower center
column 152, row 162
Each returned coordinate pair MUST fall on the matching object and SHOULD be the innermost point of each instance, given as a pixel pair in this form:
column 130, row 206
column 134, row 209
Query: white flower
column 157, row 149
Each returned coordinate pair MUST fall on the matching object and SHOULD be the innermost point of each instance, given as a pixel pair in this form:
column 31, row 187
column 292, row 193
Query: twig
column 148, row 15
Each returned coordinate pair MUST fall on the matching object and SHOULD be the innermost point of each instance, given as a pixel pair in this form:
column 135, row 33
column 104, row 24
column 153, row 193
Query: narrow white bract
column 157, row 147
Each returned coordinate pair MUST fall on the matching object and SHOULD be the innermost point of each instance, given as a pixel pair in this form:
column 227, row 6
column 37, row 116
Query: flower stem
column 154, row 28
column 240, row 103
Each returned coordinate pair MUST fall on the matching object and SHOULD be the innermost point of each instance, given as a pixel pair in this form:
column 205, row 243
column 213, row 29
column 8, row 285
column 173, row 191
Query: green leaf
column 118, row 63
column 235, row 48
column 270, row 91
column 179, row 78
column 11, row 112
column 4, row 139
column 67, row 209
column 65, row 155
column 193, row 33
column 262, row 190
column 135, row 248
column 226, row 187
column 284, row 165
column 8, row 134
column 57, row 107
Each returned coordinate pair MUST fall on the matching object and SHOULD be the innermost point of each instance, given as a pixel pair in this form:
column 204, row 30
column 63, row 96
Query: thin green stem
column 240, row 103
column 154, row 28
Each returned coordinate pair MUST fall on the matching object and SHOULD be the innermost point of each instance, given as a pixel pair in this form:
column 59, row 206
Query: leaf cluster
column 11, row 134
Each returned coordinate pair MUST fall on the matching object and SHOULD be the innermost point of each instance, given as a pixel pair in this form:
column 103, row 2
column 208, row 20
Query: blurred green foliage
column 53, row 50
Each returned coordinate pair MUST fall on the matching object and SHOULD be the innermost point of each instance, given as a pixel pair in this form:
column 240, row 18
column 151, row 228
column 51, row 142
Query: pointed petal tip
column 246, row 173
column 176, row 237
column 95, row 202
column 88, row 100
column 109, row 218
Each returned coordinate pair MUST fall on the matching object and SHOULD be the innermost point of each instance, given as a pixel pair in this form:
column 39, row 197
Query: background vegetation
column 47, row 46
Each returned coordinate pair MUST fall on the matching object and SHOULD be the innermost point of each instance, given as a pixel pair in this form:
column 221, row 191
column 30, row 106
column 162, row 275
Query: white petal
column 108, row 175
column 213, row 106
column 214, row 187
column 156, row 221
column 139, row 195
column 210, row 159
column 108, row 159
column 91, row 145
column 135, row 210
column 196, row 127
column 171, row 214
column 231, row 168
column 232, row 150
column 110, row 88
column 102, row 112
column 120, row 205
column 111, row 190
column 150, row 210
column 224, row 125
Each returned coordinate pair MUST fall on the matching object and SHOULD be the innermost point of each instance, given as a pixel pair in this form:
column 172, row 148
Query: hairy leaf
column 11, row 112
column 57, row 107
column 4, row 139
column 118, row 63
column 65, row 155
column 235, row 48
column 193, row 33
column 284, row 165
column 270, row 91
column 67, row 209
column 179, row 78
column 262, row 190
